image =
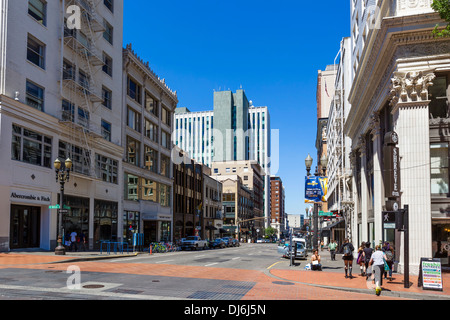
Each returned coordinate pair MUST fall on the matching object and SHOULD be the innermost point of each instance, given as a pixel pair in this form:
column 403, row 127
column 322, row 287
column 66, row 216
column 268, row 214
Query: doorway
column 150, row 232
column 25, row 227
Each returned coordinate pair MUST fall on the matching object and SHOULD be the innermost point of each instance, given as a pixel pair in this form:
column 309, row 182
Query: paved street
column 249, row 272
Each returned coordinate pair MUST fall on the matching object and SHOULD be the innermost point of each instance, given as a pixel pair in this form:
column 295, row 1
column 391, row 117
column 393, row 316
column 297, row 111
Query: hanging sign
column 430, row 274
column 313, row 189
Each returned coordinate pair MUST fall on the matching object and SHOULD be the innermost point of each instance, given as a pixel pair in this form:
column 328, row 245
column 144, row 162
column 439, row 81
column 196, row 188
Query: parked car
column 193, row 242
column 235, row 242
column 285, row 250
column 228, row 241
column 217, row 243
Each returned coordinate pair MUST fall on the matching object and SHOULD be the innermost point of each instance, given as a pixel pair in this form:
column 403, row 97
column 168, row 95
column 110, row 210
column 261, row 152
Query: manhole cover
column 283, row 283
column 93, row 286
column 53, row 271
column 155, row 280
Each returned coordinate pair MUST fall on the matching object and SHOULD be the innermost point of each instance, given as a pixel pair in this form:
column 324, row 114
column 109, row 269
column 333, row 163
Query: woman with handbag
column 360, row 260
column 389, row 257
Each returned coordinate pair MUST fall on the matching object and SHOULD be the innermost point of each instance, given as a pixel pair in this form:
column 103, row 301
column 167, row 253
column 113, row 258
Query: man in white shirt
column 73, row 239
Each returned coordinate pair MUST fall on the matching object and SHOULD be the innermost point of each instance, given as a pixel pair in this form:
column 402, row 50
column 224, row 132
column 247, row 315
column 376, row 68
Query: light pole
column 62, row 176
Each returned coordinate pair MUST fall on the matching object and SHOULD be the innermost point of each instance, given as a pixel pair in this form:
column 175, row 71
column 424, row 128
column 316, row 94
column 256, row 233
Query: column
column 410, row 108
column 364, row 190
column 378, row 191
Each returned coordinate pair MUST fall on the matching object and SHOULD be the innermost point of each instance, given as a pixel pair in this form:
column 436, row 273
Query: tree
column 443, row 8
column 269, row 232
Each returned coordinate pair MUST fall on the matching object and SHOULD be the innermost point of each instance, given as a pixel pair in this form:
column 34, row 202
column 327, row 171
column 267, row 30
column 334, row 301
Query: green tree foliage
column 443, row 8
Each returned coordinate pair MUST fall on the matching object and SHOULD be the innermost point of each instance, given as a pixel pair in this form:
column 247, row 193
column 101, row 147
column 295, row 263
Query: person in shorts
column 347, row 249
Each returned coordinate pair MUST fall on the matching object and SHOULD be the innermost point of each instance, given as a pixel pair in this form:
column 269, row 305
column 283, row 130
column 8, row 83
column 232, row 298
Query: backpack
column 389, row 256
column 347, row 251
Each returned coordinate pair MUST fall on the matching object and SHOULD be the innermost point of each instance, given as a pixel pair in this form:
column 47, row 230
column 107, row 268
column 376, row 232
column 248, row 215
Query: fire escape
column 82, row 96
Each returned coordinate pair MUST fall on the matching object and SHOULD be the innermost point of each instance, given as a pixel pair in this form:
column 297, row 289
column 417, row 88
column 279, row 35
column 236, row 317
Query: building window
column 107, row 169
column 149, row 190
column 109, row 4
column 151, row 104
column 83, row 80
column 133, row 151
column 438, row 96
column 108, row 66
column 107, row 98
column 36, row 52
column 83, row 117
column 151, row 131
column 439, row 169
column 79, row 156
column 133, row 90
column 165, row 116
column 134, row 120
column 38, row 10
column 165, row 166
column 165, row 139
column 151, row 159
column 68, row 70
column 68, row 111
column 131, row 187
column 164, row 195
column 106, row 130
column 108, row 33
column 35, row 96
column 31, row 147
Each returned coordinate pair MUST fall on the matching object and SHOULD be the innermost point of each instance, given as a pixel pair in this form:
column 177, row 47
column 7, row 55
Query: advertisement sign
column 430, row 275
column 315, row 189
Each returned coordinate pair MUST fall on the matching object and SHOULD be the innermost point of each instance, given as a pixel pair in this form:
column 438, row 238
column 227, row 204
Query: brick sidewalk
column 299, row 277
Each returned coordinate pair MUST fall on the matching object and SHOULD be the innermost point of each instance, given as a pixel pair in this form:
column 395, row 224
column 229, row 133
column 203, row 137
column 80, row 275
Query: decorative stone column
column 378, row 190
column 364, row 188
column 410, row 109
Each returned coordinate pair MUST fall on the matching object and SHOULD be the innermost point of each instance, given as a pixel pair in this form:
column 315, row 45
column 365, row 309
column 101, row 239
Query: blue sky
column 272, row 49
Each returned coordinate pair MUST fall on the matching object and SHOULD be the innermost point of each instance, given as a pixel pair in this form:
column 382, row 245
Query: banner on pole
column 315, row 189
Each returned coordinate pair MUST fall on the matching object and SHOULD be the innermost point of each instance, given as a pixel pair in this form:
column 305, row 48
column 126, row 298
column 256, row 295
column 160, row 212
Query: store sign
column 391, row 166
column 21, row 196
column 430, row 276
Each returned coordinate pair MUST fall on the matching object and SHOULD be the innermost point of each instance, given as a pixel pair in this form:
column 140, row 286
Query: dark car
column 228, row 241
column 235, row 242
column 217, row 243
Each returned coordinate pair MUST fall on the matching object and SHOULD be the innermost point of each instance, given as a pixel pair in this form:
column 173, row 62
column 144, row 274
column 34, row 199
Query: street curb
column 83, row 259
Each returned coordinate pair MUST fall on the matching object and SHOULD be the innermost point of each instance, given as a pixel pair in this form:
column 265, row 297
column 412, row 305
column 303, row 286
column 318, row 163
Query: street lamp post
column 62, row 176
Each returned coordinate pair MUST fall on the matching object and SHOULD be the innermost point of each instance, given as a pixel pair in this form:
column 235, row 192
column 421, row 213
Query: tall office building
column 60, row 97
column 235, row 130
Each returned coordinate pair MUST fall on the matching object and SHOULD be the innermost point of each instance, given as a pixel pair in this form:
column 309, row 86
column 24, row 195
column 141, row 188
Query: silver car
column 284, row 249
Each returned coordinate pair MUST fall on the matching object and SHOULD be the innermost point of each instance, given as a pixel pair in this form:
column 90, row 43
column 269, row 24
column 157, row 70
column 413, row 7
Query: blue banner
column 315, row 189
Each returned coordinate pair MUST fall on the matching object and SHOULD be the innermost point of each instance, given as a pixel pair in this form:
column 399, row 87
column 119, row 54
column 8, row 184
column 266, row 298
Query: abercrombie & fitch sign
column 391, row 166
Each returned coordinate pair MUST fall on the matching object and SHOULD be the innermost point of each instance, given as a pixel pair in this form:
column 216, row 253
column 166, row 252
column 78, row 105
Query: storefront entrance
column 25, row 227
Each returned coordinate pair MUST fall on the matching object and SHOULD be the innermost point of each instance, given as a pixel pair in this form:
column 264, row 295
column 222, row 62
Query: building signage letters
column 391, row 166
column 30, row 197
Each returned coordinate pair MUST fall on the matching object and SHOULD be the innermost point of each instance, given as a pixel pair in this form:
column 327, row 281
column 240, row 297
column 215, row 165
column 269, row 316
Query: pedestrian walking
column 367, row 255
column 377, row 263
column 389, row 257
column 347, row 249
column 321, row 245
column 73, row 239
column 360, row 260
column 332, row 247
column 315, row 261
column 82, row 242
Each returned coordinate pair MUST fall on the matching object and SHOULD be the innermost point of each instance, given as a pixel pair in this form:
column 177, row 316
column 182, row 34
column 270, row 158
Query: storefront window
column 105, row 221
column 165, row 231
column 441, row 241
column 439, row 168
column 131, row 225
